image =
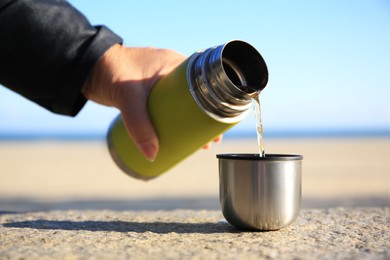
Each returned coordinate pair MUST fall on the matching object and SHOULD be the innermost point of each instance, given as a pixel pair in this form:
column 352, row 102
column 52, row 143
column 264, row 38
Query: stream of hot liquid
column 259, row 124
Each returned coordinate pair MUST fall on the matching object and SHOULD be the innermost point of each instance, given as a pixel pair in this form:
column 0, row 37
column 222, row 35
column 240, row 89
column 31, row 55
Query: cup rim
column 256, row 157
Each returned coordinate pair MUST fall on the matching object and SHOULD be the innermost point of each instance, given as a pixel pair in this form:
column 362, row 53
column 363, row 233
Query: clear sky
column 329, row 61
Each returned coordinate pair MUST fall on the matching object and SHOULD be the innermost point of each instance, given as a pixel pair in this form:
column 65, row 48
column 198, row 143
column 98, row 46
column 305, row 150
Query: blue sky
column 329, row 61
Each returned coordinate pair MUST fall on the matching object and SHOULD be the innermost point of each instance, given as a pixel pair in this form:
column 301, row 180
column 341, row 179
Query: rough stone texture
column 335, row 233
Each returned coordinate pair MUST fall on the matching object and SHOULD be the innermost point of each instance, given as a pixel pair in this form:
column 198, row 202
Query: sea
column 231, row 134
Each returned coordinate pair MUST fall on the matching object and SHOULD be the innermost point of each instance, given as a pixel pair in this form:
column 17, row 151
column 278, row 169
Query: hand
column 123, row 78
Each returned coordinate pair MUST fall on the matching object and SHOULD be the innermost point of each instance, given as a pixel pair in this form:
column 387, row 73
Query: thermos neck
column 223, row 78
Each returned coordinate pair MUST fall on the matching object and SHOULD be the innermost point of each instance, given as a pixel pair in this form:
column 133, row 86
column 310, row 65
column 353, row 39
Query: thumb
column 140, row 128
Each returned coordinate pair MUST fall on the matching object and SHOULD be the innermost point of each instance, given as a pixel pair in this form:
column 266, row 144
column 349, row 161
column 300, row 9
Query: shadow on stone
column 28, row 205
column 124, row 226
column 15, row 205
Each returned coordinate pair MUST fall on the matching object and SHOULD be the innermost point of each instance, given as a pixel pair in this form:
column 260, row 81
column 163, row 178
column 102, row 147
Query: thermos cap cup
column 260, row 193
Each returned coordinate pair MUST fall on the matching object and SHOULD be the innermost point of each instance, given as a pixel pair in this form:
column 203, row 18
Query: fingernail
column 218, row 140
column 149, row 150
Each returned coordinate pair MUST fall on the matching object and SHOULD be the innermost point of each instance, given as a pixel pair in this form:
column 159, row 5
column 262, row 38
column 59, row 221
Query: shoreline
column 67, row 170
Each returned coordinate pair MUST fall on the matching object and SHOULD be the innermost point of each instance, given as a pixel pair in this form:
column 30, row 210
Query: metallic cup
column 260, row 193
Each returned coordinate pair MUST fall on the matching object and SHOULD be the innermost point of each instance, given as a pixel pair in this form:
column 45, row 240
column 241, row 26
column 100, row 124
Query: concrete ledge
column 350, row 233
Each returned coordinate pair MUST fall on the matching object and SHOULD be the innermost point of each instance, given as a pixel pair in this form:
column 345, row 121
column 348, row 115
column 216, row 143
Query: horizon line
column 297, row 133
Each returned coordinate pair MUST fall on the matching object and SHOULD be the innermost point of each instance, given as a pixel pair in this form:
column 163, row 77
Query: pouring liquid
column 254, row 94
column 259, row 125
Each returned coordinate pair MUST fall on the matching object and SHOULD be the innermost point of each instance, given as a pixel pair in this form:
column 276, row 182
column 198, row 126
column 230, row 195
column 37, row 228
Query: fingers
column 138, row 124
column 216, row 140
column 207, row 146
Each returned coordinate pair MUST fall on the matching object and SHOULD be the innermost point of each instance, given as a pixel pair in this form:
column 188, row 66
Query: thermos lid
column 256, row 157
column 222, row 79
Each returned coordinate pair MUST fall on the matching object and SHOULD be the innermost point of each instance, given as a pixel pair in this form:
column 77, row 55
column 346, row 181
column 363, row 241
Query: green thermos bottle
column 202, row 98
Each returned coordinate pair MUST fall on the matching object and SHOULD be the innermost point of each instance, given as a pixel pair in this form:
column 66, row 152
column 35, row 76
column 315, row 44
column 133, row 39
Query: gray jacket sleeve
column 47, row 50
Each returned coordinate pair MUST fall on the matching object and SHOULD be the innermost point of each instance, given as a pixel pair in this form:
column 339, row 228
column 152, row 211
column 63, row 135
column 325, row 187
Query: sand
column 49, row 170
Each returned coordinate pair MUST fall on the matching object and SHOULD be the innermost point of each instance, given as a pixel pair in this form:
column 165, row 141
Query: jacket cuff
column 71, row 100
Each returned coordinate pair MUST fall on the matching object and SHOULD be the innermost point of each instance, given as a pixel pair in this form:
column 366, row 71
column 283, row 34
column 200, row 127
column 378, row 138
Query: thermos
column 203, row 97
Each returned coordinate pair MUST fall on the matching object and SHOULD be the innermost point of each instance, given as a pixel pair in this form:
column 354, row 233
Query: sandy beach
column 334, row 169
column 68, row 200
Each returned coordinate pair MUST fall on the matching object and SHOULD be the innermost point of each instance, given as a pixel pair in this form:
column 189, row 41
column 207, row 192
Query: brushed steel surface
column 218, row 79
column 260, row 193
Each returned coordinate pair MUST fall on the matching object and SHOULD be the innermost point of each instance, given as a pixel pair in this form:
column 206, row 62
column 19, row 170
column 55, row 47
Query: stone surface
column 334, row 233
